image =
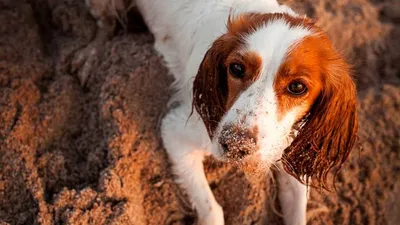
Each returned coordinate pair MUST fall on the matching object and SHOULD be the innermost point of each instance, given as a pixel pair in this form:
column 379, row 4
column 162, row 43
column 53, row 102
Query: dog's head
column 272, row 86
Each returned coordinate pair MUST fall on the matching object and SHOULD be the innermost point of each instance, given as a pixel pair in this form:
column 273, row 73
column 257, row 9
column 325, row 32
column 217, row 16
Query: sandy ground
column 73, row 154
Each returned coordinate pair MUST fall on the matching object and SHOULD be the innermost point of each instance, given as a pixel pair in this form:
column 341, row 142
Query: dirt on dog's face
column 274, row 86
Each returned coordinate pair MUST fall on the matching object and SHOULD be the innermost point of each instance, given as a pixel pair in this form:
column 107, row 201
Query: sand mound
column 73, row 154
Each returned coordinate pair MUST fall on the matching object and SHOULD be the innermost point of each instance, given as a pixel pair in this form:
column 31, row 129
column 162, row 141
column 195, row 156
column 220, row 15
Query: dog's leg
column 191, row 177
column 293, row 198
column 183, row 142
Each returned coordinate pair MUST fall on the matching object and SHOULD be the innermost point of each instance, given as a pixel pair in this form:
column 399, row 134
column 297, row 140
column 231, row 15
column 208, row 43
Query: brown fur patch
column 302, row 64
column 330, row 130
column 252, row 63
column 210, row 87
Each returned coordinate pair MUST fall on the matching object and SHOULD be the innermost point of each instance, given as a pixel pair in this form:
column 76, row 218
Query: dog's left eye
column 297, row 88
column 237, row 70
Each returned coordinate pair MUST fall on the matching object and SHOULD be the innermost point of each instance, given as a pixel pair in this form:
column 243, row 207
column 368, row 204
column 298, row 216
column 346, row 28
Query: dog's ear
column 330, row 128
column 210, row 88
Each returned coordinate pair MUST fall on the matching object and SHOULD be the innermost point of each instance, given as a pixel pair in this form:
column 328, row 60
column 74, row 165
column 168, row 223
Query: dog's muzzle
column 237, row 142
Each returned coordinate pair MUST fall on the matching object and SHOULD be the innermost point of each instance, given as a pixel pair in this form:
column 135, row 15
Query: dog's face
column 274, row 86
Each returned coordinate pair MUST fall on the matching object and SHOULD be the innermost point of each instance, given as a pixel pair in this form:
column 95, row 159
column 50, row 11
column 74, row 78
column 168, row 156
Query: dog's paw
column 214, row 217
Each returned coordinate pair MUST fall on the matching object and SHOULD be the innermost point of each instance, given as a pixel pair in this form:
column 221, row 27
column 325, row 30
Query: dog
column 253, row 80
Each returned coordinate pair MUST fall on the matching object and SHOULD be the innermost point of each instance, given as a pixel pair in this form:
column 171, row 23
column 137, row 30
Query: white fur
column 293, row 197
column 184, row 30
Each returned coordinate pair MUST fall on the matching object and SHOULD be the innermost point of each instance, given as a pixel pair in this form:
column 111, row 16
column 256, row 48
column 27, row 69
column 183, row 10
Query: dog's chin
column 251, row 164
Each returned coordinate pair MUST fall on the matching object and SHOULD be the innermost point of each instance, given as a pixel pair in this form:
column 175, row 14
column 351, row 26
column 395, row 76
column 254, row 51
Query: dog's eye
column 237, row 70
column 297, row 88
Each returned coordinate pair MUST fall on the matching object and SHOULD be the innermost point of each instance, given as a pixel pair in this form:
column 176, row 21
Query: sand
column 74, row 152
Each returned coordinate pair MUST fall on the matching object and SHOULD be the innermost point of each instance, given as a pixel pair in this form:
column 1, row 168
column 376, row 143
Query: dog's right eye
column 297, row 88
column 237, row 70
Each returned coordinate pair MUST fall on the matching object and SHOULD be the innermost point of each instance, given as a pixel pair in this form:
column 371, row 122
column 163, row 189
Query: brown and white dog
column 254, row 80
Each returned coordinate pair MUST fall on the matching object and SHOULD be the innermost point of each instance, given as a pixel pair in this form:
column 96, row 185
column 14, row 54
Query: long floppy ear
column 330, row 129
column 210, row 88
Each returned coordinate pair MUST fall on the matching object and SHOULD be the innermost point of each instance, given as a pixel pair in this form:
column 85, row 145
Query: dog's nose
column 238, row 142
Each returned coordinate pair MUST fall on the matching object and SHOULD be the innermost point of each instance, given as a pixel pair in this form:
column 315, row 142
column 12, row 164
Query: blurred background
column 80, row 109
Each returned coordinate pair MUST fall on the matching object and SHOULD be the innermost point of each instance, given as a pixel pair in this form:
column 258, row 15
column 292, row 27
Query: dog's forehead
column 282, row 49
column 274, row 41
column 271, row 43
